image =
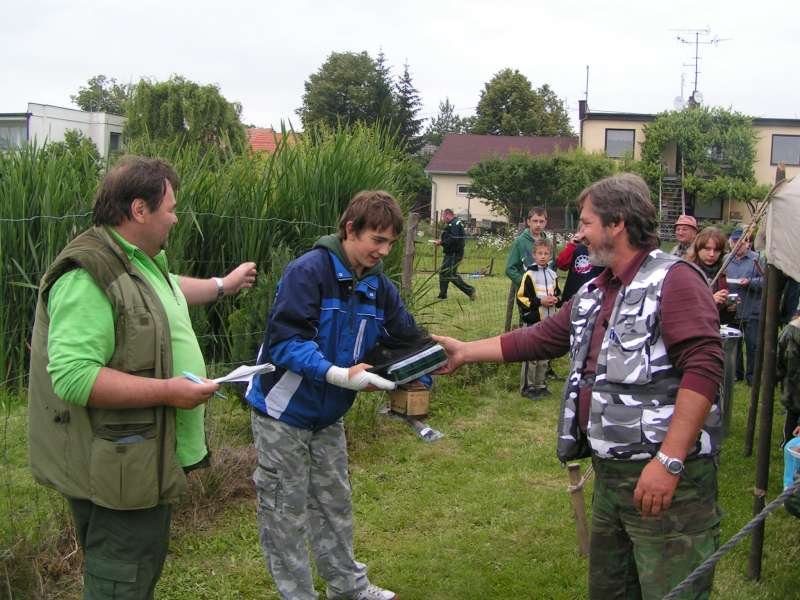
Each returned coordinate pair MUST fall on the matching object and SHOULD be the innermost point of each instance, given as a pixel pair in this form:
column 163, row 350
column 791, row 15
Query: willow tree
column 179, row 109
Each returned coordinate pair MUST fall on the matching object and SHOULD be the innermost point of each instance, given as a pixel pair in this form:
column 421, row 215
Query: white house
column 45, row 123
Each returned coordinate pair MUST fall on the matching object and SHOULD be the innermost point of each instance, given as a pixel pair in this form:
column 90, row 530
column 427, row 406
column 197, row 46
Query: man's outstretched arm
column 203, row 291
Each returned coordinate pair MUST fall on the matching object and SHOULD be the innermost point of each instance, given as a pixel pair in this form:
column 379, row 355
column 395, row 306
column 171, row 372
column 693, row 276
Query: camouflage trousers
column 636, row 557
column 304, row 498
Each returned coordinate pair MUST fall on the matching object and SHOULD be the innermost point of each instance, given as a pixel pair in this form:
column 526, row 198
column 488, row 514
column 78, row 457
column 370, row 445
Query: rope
column 579, row 486
column 712, row 560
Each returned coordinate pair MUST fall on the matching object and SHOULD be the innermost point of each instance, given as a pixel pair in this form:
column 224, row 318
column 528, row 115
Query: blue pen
column 196, row 379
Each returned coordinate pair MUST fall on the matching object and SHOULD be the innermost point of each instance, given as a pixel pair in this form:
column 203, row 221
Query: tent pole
column 775, row 281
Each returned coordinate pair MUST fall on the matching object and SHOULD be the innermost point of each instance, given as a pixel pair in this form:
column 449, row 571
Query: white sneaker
column 373, row 592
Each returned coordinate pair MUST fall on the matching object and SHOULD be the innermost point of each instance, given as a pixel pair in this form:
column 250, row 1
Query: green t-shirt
column 81, row 340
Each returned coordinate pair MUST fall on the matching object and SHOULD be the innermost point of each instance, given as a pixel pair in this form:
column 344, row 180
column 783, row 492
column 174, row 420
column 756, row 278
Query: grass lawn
column 482, row 514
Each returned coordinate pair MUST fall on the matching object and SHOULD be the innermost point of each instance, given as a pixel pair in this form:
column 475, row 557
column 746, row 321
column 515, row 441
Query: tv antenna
column 696, row 97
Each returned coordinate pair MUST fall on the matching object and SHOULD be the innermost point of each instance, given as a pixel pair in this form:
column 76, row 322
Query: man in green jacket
column 111, row 426
column 520, row 256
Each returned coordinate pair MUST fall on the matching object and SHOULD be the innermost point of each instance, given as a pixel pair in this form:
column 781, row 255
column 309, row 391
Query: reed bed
column 232, row 208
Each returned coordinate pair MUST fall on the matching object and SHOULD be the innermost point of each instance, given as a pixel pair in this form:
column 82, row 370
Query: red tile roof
column 264, row 139
column 459, row 152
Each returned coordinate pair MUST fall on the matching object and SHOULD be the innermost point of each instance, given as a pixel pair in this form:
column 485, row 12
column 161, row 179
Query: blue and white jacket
column 322, row 316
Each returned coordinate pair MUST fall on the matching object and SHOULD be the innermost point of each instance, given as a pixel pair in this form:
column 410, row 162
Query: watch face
column 675, row 467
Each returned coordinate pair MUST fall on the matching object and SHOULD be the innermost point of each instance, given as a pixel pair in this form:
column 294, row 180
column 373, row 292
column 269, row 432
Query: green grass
column 483, row 513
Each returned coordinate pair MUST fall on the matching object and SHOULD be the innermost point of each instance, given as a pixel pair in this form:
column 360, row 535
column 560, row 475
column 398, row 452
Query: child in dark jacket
column 538, row 297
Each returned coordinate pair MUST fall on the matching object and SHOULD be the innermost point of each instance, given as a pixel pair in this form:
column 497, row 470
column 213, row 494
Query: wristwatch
column 674, row 466
column 220, row 287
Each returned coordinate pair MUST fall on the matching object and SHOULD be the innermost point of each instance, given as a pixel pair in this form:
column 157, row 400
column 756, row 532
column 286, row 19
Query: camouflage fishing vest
column 635, row 386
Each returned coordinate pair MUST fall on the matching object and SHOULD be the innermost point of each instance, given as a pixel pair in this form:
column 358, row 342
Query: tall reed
column 231, row 207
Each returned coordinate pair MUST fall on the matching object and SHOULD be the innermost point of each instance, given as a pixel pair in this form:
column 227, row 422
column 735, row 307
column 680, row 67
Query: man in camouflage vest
column 111, row 426
column 641, row 398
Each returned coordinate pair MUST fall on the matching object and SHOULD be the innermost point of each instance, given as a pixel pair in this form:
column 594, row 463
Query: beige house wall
column 765, row 172
column 445, row 195
column 593, row 135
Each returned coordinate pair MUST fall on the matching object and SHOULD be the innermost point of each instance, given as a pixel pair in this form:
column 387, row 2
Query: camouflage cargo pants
column 304, row 496
column 634, row 557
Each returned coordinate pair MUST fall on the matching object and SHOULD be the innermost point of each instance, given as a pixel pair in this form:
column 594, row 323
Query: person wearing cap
column 745, row 274
column 685, row 232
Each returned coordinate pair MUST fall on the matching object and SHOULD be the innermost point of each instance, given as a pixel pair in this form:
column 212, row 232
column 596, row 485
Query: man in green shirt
column 113, row 425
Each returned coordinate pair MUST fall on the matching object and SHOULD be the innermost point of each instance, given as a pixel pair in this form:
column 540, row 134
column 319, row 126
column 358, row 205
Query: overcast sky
column 261, row 53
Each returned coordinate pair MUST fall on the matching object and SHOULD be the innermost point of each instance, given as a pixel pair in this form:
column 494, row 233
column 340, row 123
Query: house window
column 114, row 141
column 619, row 142
column 463, row 190
column 12, row 135
column 785, row 148
column 709, row 210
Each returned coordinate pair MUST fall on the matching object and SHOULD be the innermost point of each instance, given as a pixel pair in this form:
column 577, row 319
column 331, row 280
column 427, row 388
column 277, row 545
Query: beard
column 600, row 254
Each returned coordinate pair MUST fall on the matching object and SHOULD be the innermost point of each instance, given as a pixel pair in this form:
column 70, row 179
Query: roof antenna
column 696, row 98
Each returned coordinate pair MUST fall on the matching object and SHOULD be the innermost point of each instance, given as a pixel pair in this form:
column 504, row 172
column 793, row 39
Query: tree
column 80, row 152
column 348, row 88
column 184, row 110
column 446, row 121
column 386, row 99
column 717, row 149
column 102, row 95
column 510, row 106
column 513, row 184
column 408, row 106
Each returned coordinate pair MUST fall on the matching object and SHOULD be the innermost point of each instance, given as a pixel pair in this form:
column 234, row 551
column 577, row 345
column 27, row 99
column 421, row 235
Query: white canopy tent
column 782, row 228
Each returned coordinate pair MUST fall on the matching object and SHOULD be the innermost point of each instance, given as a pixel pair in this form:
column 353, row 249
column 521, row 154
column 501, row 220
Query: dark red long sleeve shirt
column 689, row 326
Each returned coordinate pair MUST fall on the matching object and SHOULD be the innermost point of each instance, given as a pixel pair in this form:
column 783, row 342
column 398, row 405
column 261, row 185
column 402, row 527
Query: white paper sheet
column 244, row 373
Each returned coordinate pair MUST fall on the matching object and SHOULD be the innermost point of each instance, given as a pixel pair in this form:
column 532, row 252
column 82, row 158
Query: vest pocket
column 139, row 339
column 123, row 472
column 628, row 357
column 621, row 424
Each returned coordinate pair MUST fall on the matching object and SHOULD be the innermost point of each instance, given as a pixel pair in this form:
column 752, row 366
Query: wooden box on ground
column 412, row 401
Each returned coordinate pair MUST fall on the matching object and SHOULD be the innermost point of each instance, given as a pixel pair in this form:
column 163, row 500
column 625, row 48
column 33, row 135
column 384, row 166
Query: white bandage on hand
column 339, row 376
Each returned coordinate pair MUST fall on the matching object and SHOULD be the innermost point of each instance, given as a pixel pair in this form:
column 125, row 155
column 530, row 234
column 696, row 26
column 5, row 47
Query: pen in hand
column 196, row 379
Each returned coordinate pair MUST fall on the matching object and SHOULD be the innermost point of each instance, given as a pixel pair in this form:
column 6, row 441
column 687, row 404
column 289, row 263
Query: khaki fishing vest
column 635, row 386
column 121, row 459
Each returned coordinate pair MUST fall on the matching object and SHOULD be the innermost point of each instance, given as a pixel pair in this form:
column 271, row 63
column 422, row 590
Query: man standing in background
column 452, row 243
column 745, row 275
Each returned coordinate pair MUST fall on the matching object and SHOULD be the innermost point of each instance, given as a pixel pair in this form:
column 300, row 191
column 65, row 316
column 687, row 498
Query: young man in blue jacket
column 332, row 306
